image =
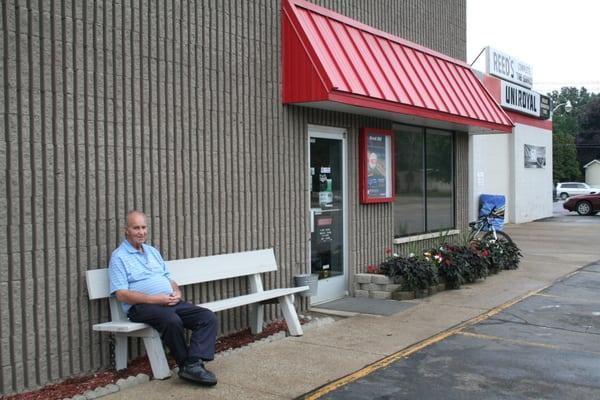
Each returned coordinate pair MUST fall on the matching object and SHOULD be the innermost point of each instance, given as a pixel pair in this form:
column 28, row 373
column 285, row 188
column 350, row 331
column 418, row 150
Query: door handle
column 313, row 212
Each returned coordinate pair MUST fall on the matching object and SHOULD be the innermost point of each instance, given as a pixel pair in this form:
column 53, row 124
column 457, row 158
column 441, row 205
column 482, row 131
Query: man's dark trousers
column 170, row 322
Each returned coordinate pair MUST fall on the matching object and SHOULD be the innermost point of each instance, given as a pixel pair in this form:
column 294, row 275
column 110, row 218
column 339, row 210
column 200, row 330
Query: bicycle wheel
column 501, row 236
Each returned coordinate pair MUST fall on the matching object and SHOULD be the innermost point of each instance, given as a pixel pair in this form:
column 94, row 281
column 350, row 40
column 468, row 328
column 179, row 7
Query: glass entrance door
column 327, row 178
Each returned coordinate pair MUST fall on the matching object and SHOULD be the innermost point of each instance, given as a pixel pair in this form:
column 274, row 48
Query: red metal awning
column 333, row 62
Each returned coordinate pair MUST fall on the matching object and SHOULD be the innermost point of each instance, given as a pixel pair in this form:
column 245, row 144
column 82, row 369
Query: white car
column 567, row 189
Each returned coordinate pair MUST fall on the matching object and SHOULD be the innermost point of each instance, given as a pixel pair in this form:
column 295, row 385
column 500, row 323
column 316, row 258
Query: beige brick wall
column 173, row 108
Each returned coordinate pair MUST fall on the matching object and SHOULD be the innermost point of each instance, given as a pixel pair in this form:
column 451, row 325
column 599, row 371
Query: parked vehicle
column 567, row 189
column 585, row 204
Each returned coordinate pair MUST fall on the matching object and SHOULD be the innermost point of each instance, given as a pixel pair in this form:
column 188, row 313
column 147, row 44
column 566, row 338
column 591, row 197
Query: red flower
column 388, row 251
column 371, row 269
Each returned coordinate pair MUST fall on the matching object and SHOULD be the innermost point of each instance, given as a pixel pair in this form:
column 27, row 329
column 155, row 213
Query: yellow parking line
column 560, row 297
column 515, row 341
column 384, row 362
column 547, row 295
column 570, row 274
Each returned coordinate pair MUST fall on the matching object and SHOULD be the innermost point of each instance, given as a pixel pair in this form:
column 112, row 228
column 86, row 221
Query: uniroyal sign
column 508, row 68
column 519, row 99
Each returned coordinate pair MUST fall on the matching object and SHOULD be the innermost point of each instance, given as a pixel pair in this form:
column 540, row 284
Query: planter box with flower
column 374, row 285
column 458, row 265
column 447, row 267
column 502, row 255
column 414, row 275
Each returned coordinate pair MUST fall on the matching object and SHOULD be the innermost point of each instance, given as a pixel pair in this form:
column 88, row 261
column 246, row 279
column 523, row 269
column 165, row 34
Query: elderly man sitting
column 140, row 280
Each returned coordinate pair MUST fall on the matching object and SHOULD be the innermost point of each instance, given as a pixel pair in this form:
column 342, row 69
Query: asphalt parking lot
column 544, row 347
column 558, row 209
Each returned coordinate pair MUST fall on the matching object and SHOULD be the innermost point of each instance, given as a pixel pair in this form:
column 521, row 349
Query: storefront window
column 440, row 185
column 424, row 180
column 409, row 207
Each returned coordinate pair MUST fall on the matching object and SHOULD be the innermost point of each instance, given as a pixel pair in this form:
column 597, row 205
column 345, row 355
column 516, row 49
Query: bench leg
column 156, row 355
column 120, row 352
column 289, row 313
column 256, row 318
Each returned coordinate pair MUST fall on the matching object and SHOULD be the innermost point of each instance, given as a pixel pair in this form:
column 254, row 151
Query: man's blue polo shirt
column 144, row 272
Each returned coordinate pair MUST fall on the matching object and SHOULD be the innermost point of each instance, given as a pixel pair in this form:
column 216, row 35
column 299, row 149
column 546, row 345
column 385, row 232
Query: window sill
column 425, row 236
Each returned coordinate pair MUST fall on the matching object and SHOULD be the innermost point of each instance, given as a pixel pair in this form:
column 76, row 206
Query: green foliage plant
column 478, row 262
column 450, row 269
column 393, row 267
column 459, row 264
column 454, row 264
column 473, row 267
column 511, row 255
column 503, row 255
column 418, row 274
column 412, row 272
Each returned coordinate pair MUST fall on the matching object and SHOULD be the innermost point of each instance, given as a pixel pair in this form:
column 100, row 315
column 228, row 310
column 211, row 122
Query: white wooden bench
column 190, row 271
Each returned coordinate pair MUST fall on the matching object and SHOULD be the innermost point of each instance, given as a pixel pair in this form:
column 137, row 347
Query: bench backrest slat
column 97, row 283
column 224, row 266
column 197, row 270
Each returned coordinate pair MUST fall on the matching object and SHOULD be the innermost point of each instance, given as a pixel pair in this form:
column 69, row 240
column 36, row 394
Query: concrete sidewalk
column 292, row 366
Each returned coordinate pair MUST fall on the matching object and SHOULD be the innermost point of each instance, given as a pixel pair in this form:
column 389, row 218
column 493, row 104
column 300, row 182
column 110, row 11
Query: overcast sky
column 559, row 39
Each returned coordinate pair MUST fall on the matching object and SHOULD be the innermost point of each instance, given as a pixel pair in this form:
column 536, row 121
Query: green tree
column 562, row 121
column 566, row 131
column 588, row 138
column 564, row 158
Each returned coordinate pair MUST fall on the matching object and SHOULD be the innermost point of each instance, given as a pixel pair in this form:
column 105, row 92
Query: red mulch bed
column 80, row 384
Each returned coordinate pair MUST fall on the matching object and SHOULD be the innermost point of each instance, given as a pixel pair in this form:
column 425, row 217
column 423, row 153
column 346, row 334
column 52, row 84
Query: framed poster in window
column 376, row 165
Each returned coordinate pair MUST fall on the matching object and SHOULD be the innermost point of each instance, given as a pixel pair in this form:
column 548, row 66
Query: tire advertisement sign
column 508, row 68
column 535, row 156
column 517, row 98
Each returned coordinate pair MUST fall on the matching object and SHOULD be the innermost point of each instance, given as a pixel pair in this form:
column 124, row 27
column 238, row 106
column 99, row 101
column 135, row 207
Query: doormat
column 365, row 305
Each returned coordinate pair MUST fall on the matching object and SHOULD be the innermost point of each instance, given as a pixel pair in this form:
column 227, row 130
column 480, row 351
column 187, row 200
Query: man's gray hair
column 134, row 212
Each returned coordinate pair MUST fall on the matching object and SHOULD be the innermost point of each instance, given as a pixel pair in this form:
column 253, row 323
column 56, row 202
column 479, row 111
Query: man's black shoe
column 196, row 372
